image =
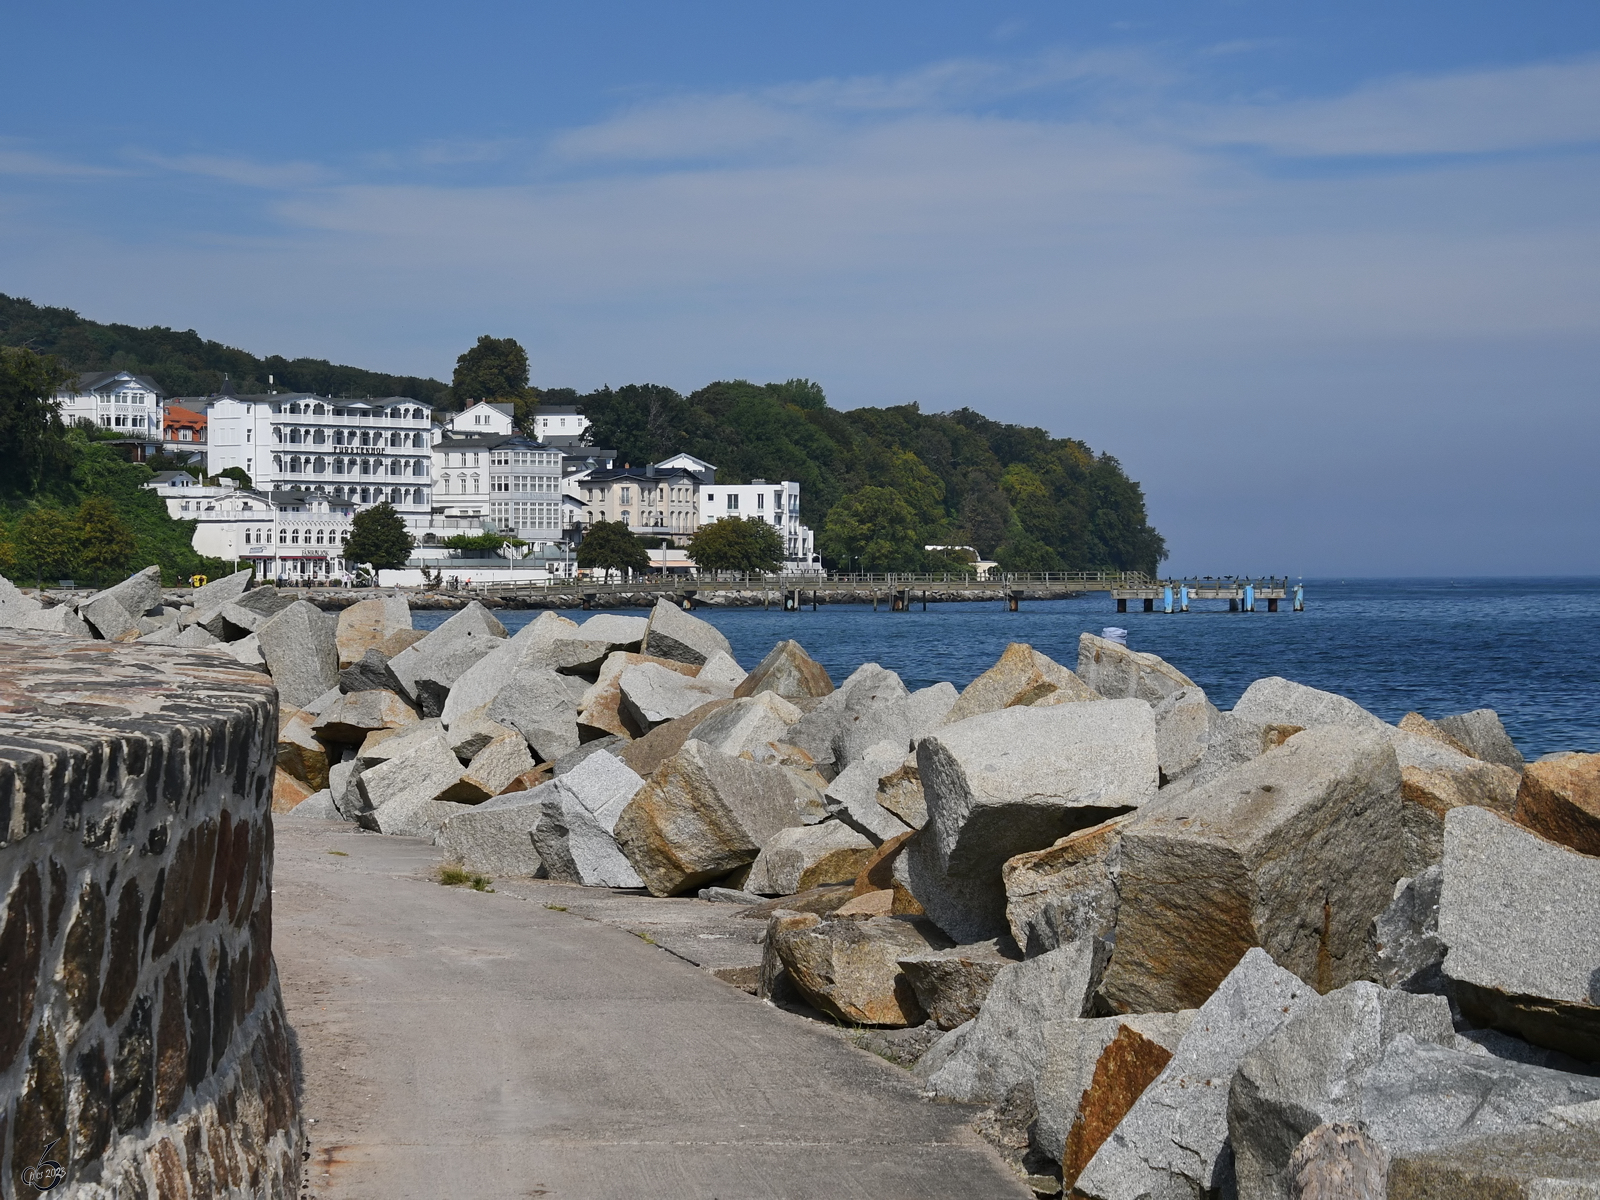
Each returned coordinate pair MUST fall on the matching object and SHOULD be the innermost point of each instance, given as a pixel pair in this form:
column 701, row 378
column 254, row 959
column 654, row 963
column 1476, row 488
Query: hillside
column 877, row 484
column 185, row 364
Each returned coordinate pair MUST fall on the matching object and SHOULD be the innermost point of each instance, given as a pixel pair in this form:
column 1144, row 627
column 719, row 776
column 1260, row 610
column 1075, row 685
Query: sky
column 1323, row 277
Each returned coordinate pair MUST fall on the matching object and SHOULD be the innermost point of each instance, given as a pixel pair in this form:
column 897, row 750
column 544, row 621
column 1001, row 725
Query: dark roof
column 606, row 474
column 560, row 410
column 487, row 441
column 89, row 381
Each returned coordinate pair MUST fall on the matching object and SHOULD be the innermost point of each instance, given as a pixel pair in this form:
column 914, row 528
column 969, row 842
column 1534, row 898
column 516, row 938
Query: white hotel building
column 360, row 451
column 126, row 404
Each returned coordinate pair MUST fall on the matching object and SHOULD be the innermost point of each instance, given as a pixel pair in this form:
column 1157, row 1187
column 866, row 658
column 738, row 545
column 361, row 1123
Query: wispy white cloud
column 21, row 160
column 245, row 172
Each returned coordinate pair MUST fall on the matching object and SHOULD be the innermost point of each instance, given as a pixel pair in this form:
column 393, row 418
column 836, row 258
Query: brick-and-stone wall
column 143, row 1045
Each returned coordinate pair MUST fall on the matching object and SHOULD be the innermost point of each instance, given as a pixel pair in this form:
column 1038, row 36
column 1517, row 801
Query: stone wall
column 143, row 1045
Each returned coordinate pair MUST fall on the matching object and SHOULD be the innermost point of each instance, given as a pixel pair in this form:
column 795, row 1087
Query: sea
column 1528, row 648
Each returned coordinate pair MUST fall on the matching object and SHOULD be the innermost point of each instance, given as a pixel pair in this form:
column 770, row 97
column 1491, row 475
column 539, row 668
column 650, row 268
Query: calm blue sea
column 1528, row 648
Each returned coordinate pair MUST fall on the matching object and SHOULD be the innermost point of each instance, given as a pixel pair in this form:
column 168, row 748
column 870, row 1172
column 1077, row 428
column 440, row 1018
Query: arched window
column 429, row 539
column 277, row 463
column 338, row 437
column 294, row 435
column 318, row 410
column 366, row 437
column 416, row 440
column 419, row 466
column 394, row 495
column 294, row 537
column 320, row 466
column 338, row 466
column 366, row 496
column 277, row 434
column 283, row 537
column 319, row 437
column 366, row 466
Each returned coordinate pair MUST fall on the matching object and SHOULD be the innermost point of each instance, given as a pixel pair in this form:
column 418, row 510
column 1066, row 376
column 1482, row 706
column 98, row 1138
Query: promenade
column 458, row 1043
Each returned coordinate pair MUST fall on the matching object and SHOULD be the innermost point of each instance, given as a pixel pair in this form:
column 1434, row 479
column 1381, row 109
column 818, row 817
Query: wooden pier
column 900, row 592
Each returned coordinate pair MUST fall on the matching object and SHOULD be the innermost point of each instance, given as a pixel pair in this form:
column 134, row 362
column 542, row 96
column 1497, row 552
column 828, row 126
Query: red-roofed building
column 183, row 428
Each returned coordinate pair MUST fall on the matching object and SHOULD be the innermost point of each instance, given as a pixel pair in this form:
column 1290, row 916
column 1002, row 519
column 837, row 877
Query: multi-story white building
column 127, row 404
column 296, row 536
column 560, row 425
column 777, row 503
column 359, row 451
column 483, row 419
column 499, row 484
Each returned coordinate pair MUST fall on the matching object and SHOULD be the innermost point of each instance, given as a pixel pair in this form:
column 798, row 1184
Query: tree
column 104, row 540
column 609, row 546
column 378, row 537
column 480, row 541
column 494, row 369
column 874, row 530
column 237, row 474
column 735, row 544
column 31, row 431
column 45, row 545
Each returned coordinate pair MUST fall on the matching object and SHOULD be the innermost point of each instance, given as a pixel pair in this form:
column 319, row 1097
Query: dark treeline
column 184, row 364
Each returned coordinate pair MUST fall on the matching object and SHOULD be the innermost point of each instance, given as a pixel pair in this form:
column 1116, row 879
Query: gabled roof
column 487, row 441
column 93, row 381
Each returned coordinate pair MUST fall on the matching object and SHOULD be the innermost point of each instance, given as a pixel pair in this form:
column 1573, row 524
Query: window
column 626, row 498
column 733, row 502
column 625, row 517
column 760, row 501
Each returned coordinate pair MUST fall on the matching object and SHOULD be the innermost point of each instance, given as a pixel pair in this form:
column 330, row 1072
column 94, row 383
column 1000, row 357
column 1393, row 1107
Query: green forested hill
column 877, row 484
column 185, row 364
column 1033, row 501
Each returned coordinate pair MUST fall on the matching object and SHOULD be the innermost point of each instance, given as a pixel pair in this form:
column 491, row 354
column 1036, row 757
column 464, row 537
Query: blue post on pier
column 1299, row 597
column 1166, row 597
column 1249, row 597
column 1183, row 598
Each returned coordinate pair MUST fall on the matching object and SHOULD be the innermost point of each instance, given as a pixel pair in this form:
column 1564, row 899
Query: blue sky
column 1323, row 276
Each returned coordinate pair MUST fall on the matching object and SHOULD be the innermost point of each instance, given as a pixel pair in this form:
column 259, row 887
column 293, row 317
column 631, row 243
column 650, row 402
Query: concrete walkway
column 463, row 1044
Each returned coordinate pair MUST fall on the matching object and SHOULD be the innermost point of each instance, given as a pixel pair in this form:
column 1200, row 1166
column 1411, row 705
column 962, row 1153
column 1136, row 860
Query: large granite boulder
column 582, row 649
column 1004, row 783
column 852, row 797
column 653, row 695
column 851, row 969
column 600, row 708
column 369, row 625
column 1560, row 800
column 369, row 673
column 414, row 792
column 701, row 816
column 115, row 612
column 189, row 637
column 1519, row 915
column 899, row 722
column 1434, row 778
column 579, row 810
column 747, row 724
column 494, row 768
column 494, row 837
column 301, row 753
column 235, row 618
column 795, row 860
column 900, row 792
column 531, row 647
column 1066, row 892
column 15, row 608
column 1481, row 732
column 721, row 670
column 1094, row 1069
column 62, row 619
column 351, row 717
column 1186, row 724
column 1555, row 1156
column 534, row 702
column 788, row 671
column 817, row 732
column 1410, row 953
column 1310, row 1073
column 646, row 754
column 220, row 591
column 673, row 633
column 952, row 985
column 428, row 669
column 1174, row 1140
column 1005, row 1044
column 1296, row 852
column 1118, row 673
column 472, row 731
column 1023, row 676
column 1278, row 701
column 298, row 645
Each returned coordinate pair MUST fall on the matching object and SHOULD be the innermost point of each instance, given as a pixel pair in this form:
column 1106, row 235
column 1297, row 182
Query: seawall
column 144, row 1050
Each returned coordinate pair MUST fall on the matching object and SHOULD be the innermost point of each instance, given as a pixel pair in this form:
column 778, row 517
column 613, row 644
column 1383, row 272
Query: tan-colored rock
column 301, row 754
column 851, row 969
column 401, row 639
column 868, row 904
column 494, row 768
column 789, row 671
column 819, row 901
column 879, row 874
column 1296, row 852
column 1434, row 780
column 808, row 856
column 528, row 780
column 645, row 755
column 1067, row 891
column 369, row 624
column 1560, row 800
column 1415, row 722
column 601, row 707
column 1020, row 676
column 351, row 718
column 702, row 815
column 287, row 791
column 1118, row 673
column 1338, row 1161
column 900, row 792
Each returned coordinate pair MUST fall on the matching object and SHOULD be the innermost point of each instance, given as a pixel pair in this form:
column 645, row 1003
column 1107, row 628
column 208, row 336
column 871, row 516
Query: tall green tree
column 735, row 544
column 378, row 537
column 105, row 542
column 872, row 530
column 607, row 545
column 45, row 544
column 494, row 369
column 31, row 432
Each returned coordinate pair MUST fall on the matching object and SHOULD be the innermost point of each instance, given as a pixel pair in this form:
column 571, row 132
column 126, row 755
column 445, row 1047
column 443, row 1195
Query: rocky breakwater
column 143, row 1046
column 1288, row 950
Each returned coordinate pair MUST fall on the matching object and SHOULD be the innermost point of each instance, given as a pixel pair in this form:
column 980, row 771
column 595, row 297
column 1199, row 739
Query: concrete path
column 463, row 1044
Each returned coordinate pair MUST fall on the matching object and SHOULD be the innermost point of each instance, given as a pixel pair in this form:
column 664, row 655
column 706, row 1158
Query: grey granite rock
column 495, row 837
column 413, row 792
column 370, row 673
column 747, row 724
column 115, row 612
column 795, row 860
column 1519, row 916
column 1174, row 1140
column 653, row 694
column 1278, row 701
column 673, row 633
column 535, row 704
column 1119, row 673
column 817, row 732
column 301, row 655
column 852, row 797
column 1410, row 953
column 573, row 834
column 952, row 985
column 1481, row 732
column 1186, row 722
